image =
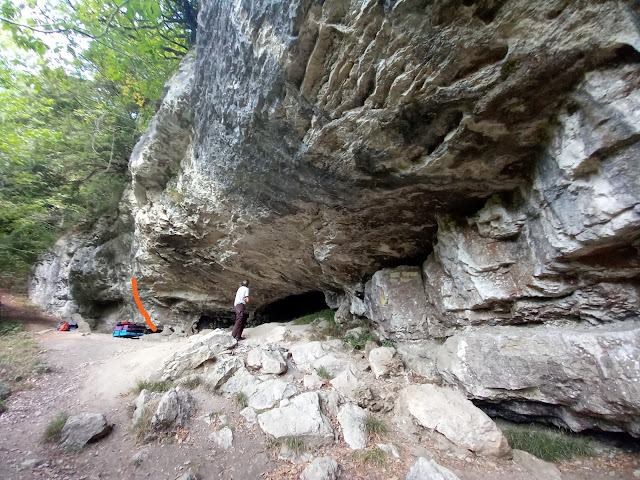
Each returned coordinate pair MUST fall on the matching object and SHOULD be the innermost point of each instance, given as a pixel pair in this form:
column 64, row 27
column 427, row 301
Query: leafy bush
column 547, row 445
column 326, row 314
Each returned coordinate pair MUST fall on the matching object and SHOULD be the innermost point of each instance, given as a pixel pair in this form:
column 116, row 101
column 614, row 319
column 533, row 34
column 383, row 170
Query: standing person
column 242, row 297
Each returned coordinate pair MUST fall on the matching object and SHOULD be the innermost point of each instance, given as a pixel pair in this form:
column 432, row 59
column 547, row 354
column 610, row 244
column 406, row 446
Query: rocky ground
column 97, row 373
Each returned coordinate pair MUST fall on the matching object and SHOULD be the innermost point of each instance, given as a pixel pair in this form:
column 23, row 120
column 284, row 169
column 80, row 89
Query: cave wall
column 439, row 168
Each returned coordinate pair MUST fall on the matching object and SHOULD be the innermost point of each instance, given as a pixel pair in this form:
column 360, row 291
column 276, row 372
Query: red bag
column 64, row 327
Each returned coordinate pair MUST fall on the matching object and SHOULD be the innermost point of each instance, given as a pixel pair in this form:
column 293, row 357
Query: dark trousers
column 239, row 325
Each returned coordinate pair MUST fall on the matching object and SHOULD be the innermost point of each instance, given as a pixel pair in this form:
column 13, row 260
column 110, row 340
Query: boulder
column 140, row 456
column 304, row 354
column 141, row 404
column 249, row 414
column 83, row 428
column 313, row 381
column 301, row 417
column 450, row 413
column 425, row 469
column 218, row 373
column 223, row 438
column 348, row 384
column 269, row 392
column 332, row 363
column 330, row 401
column 174, row 410
column 389, row 449
column 538, row 469
column 322, row 468
column 351, row 418
column 384, row 361
column 576, row 377
column 241, row 381
column 269, row 361
column 196, row 352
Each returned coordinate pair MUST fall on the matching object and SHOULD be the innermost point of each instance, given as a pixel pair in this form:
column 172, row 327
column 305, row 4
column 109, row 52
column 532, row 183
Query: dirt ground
column 96, row 373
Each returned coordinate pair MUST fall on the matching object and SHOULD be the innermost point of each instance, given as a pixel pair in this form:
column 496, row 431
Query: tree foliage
column 71, row 112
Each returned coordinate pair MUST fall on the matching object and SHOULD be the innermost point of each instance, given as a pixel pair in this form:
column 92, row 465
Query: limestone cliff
column 491, row 146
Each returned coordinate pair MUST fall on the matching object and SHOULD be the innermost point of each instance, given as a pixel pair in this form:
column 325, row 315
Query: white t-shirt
column 242, row 292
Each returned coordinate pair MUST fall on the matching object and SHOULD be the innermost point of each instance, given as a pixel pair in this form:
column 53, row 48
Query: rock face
column 490, row 147
column 583, row 378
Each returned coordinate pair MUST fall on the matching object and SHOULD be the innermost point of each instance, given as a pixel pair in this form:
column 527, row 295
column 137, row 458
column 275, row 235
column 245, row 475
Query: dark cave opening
column 291, row 307
column 213, row 320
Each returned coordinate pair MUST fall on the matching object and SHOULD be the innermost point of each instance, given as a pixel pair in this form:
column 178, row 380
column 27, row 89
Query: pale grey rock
column 297, row 458
column 142, row 401
column 249, row 414
column 397, row 303
column 384, row 362
column 368, row 346
column 351, row 418
column 223, row 438
column 271, row 391
column 420, row 357
column 223, row 419
column 332, row 363
column 301, row 417
column 187, row 476
column 268, row 361
column 174, row 410
column 330, row 401
column 218, row 373
column 539, row 469
column 425, row 469
column 577, row 377
column 322, row 468
column 83, row 428
column 450, row 413
column 139, row 457
column 348, row 384
column 313, row 381
column 31, row 463
column 305, row 354
column 241, row 381
column 197, row 352
column 389, row 449
column 636, row 474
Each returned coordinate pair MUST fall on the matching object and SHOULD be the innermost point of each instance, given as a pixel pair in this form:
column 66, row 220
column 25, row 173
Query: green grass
column 326, row 314
column 153, row 386
column 1, row 406
column 20, row 355
column 388, row 343
column 547, row 445
column 295, row 444
column 374, row 426
column 358, row 341
column 240, row 399
column 376, row 457
column 324, row 373
column 273, row 443
column 143, row 425
column 55, row 426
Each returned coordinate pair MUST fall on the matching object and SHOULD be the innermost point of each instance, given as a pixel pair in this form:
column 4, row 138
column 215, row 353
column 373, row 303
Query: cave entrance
column 213, row 320
column 291, row 307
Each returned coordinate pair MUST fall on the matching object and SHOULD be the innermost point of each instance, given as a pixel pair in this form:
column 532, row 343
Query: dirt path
column 96, row 373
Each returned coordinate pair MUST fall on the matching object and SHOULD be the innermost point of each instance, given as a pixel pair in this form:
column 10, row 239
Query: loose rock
column 174, row 409
column 425, row 469
column 322, row 468
column 83, row 428
column 351, row 418
column 384, row 361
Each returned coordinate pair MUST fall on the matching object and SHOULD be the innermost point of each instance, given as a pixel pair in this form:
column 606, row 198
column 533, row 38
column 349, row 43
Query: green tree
column 67, row 125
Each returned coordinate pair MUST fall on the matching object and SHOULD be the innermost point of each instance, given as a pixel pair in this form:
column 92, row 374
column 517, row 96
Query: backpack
column 64, row 327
